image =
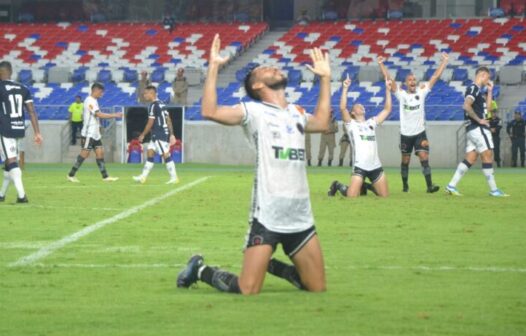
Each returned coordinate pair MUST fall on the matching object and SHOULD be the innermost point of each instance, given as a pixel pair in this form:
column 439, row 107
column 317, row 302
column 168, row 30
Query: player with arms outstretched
column 160, row 124
column 281, row 209
column 90, row 134
column 412, row 121
column 13, row 97
column 362, row 132
column 478, row 134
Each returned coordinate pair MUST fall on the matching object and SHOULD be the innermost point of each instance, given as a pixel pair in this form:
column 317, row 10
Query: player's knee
column 317, row 287
column 249, row 287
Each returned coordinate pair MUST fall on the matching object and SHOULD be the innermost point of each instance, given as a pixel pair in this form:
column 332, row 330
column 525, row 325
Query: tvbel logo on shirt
column 292, row 154
column 411, row 108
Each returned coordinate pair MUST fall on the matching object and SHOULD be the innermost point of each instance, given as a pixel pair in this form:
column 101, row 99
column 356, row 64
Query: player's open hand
column 118, row 115
column 215, row 56
column 320, row 63
column 38, row 139
column 173, row 140
column 380, row 59
column 444, row 57
column 484, row 122
column 347, row 82
column 141, row 138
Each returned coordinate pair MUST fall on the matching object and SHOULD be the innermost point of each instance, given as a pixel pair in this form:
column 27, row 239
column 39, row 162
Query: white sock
column 147, row 169
column 170, row 166
column 490, row 177
column 16, row 177
column 462, row 168
column 5, row 184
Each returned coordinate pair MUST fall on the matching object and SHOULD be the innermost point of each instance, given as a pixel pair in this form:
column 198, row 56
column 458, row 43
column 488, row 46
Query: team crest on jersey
column 417, row 97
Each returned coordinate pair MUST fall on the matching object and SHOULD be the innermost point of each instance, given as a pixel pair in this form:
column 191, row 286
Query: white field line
column 488, row 269
column 54, row 246
column 25, row 206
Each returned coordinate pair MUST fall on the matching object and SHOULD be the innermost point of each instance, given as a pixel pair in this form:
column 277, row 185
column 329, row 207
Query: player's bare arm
column 380, row 117
column 489, row 98
column 34, row 123
column 386, row 73
column 346, row 115
column 468, row 107
column 321, row 66
column 436, row 75
column 170, row 130
column 147, row 129
column 226, row 115
column 103, row 115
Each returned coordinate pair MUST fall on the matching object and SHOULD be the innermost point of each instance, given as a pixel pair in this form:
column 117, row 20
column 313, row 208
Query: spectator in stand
column 328, row 12
column 75, row 110
column 304, row 18
column 143, row 83
column 169, row 23
column 180, row 88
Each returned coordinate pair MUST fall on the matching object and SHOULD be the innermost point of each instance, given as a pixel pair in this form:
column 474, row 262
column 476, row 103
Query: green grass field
column 412, row 264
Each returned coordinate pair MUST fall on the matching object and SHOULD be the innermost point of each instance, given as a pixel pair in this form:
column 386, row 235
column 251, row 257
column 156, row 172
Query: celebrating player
column 362, row 133
column 13, row 97
column 160, row 124
column 412, row 121
column 478, row 134
column 281, row 210
column 90, row 134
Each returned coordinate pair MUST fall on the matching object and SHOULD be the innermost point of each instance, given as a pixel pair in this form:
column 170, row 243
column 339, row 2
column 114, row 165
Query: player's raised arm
column 34, row 122
column 346, row 115
column 386, row 73
column 380, row 117
column 438, row 72
column 321, row 66
column 222, row 114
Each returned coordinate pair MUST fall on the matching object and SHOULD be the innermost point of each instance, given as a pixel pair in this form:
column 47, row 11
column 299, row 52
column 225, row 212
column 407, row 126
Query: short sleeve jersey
column 479, row 105
column 91, row 127
column 13, row 97
column 280, row 196
column 412, row 110
column 363, row 142
column 158, row 112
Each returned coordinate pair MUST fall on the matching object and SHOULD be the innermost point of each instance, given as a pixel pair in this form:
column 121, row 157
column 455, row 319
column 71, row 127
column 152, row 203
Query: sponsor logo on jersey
column 12, row 87
column 368, row 137
column 292, row 154
column 411, row 108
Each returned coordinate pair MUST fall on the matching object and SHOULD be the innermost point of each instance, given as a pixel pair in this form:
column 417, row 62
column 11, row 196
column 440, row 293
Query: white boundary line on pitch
column 36, row 206
column 423, row 268
column 51, row 248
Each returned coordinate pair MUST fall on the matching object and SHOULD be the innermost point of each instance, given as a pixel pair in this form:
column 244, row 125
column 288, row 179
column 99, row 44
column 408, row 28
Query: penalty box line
column 57, row 245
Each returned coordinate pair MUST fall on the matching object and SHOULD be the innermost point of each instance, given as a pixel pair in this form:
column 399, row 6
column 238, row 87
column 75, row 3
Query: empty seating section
column 116, row 53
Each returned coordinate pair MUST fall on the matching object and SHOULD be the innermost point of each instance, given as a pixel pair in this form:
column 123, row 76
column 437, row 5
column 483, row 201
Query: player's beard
column 280, row 84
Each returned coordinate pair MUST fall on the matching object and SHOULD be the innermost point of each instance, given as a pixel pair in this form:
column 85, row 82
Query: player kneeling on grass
column 160, row 124
column 90, row 134
column 281, row 210
column 362, row 133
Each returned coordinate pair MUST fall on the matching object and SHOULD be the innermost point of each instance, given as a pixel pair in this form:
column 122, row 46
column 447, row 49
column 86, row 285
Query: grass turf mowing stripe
column 51, row 248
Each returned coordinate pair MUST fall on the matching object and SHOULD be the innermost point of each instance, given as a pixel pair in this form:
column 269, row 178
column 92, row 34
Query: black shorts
column 373, row 175
column 89, row 143
column 292, row 243
column 419, row 142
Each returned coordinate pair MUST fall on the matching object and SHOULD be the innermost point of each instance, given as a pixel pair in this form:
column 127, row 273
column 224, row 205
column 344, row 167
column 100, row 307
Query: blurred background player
column 515, row 130
column 75, row 118
column 180, row 88
column 495, row 126
column 412, row 121
column 362, row 133
column 90, row 134
column 281, row 210
column 143, row 82
column 13, row 97
column 344, row 145
column 478, row 134
column 160, row 124
column 328, row 141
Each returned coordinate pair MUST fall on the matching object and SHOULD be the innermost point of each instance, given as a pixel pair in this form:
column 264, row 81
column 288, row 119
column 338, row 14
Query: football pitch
column 101, row 259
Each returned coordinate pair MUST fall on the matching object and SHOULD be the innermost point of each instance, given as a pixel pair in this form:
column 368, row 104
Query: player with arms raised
column 412, row 121
column 281, row 209
column 362, row 132
column 478, row 134
column 160, row 124
column 13, row 97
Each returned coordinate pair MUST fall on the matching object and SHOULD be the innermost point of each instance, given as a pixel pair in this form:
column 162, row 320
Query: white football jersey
column 363, row 142
column 280, row 197
column 91, row 126
column 412, row 110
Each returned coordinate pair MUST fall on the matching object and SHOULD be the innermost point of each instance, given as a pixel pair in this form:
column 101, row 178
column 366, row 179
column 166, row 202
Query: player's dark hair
column 151, row 87
column 97, row 85
column 482, row 69
column 248, row 82
column 6, row 65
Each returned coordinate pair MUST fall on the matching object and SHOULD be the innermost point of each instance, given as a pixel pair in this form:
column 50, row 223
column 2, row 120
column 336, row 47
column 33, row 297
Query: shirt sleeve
column 93, row 106
column 28, row 98
column 472, row 92
column 152, row 111
column 424, row 91
column 399, row 93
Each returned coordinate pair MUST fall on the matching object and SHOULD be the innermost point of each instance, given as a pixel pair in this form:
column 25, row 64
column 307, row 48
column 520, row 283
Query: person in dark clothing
column 516, row 130
column 495, row 125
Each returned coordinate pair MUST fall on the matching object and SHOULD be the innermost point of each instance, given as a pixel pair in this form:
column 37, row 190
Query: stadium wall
column 206, row 142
